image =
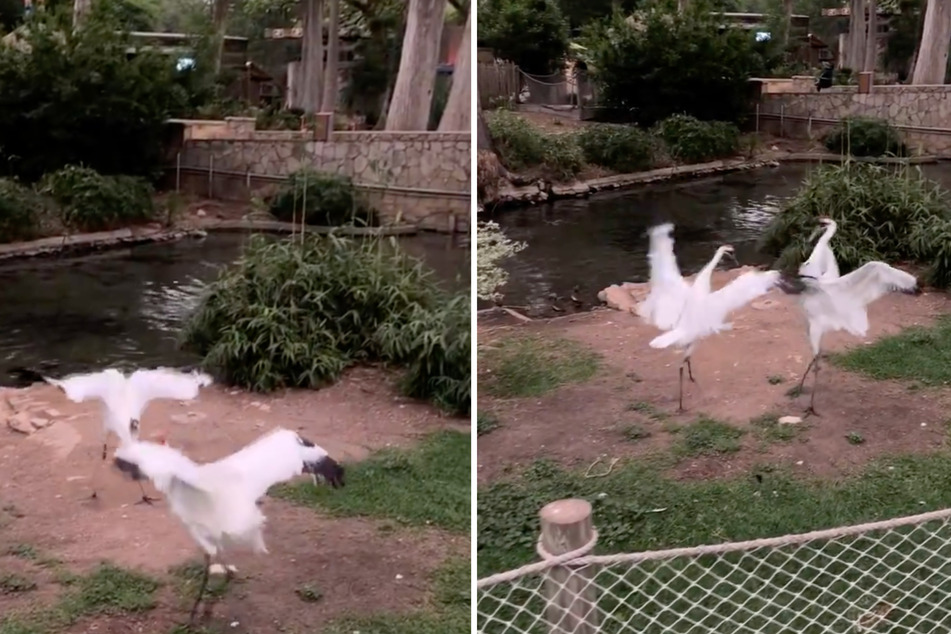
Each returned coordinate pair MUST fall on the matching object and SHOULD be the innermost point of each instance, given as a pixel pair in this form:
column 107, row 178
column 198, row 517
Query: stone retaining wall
column 924, row 113
column 424, row 177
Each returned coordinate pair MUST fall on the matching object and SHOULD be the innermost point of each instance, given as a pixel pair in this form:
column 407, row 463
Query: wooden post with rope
column 572, row 597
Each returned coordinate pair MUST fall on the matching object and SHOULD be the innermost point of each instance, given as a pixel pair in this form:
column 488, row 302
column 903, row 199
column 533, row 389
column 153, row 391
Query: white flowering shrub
column 492, row 246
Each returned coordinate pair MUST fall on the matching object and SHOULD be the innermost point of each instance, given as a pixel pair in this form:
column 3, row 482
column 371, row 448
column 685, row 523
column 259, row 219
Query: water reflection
column 126, row 308
column 592, row 243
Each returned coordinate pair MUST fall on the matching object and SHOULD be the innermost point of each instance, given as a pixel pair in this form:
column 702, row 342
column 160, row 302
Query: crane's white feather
column 705, row 315
column 217, row 501
column 821, row 262
column 125, row 398
column 668, row 290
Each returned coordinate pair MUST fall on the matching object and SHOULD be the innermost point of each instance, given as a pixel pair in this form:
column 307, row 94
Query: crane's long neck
column 827, row 235
column 702, row 282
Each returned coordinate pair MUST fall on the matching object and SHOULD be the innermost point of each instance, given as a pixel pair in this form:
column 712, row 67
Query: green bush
column 21, row 211
column 693, row 141
column 73, row 96
column 521, row 145
column 330, row 200
column 91, row 201
column 883, row 213
column 297, row 314
column 864, row 136
column 621, row 148
column 657, row 62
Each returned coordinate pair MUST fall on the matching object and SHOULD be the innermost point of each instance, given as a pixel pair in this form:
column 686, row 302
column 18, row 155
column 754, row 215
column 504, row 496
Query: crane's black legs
column 811, row 410
column 201, row 590
column 680, row 397
column 145, row 497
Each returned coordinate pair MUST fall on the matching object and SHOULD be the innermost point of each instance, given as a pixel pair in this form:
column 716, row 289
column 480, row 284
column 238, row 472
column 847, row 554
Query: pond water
column 588, row 244
column 126, row 308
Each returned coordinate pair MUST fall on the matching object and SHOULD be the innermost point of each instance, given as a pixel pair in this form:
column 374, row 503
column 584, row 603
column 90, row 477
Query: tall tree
column 413, row 92
column 932, row 61
column 332, row 70
column 81, row 9
column 219, row 19
column 312, row 56
column 856, row 54
column 457, row 115
column 871, row 38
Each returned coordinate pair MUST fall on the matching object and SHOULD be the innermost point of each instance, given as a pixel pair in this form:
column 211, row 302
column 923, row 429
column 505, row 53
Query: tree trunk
column 856, row 35
column 332, row 69
column 871, row 39
column 312, row 56
column 932, row 61
column 910, row 70
column 80, row 9
column 456, row 117
column 787, row 22
column 219, row 19
column 413, row 92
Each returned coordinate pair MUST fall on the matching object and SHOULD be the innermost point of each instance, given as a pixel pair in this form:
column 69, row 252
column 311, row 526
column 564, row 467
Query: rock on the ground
column 39, row 423
column 619, row 297
column 20, row 422
column 789, row 420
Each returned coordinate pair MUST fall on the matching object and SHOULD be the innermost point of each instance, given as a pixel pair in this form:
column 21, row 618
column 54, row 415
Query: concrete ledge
column 81, row 243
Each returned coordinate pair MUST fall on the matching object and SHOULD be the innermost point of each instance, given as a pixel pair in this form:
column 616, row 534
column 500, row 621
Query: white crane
column 690, row 313
column 217, row 501
column 833, row 303
column 124, row 399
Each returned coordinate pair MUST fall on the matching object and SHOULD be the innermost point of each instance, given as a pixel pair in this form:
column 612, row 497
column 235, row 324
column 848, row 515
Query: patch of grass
column 111, row 590
column 18, row 625
column 648, row 410
column 855, row 438
column 635, row 433
column 915, row 354
column 308, row 593
column 770, row 430
column 23, row 551
column 704, row 511
column 776, row 379
column 427, row 485
column 532, row 366
column 708, row 437
column 13, row 583
column 448, row 613
column 486, row 422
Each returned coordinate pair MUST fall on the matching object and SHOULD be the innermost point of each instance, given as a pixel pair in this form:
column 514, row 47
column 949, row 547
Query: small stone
column 789, row 420
column 40, row 423
column 398, row 577
column 216, row 569
column 52, row 413
column 201, row 213
column 20, row 423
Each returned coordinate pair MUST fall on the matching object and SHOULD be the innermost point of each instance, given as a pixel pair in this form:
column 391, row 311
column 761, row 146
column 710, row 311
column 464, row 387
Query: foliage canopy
column 531, row 33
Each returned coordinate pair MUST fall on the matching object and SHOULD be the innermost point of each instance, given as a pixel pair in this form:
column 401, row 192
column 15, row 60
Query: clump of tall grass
column 296, row 314
column 884, row 213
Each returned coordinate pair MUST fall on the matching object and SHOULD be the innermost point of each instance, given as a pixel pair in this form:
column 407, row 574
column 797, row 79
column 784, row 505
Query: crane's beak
column 732, row 256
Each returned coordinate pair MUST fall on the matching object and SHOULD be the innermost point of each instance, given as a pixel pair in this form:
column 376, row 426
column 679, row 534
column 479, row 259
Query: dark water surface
column 126, row 308
column 595, row 242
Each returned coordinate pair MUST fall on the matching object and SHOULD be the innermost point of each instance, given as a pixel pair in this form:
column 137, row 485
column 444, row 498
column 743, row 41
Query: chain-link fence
column 892, row 576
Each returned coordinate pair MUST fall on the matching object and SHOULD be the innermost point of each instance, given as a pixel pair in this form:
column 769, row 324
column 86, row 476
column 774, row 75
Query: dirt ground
column 355, row 563
column 578, row 423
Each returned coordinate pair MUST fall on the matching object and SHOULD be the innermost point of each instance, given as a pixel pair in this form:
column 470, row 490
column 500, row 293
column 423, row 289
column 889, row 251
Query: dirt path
column 44, row 488
column 638, row 385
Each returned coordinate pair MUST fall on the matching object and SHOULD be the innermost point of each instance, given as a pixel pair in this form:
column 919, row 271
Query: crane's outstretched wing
column 664, row 304
column 277, row 457
column 163, row 465
column 707, row 315
column 96, row 385
column 147, row 385
column 869, row 282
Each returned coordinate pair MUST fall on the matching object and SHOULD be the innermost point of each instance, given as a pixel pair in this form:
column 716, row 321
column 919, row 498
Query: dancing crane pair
column 691, row 312
column 216, row 501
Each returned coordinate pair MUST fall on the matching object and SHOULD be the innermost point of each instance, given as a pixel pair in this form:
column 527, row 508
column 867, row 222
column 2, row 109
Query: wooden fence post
column 572, row 598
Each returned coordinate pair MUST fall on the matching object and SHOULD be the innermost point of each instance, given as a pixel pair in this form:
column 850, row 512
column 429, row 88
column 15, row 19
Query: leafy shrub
column 865, row 136
column 531, row 33
column 21, row 211
column 657, row 62
column 521, row 145
column 330, row 200
column 73, row 96
column 883, row 213
column 492, row 247
column 297, row 314
column 693, row 141
column 91, row 201
column 621, row 148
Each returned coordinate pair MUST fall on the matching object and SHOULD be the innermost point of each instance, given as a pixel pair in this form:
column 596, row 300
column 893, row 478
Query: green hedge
column 91, row 201
column 864, row 136
column 326, row 199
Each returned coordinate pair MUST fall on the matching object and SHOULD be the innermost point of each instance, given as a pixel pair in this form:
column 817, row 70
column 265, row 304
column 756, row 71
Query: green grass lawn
column 533, row 365
column 917, row 354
